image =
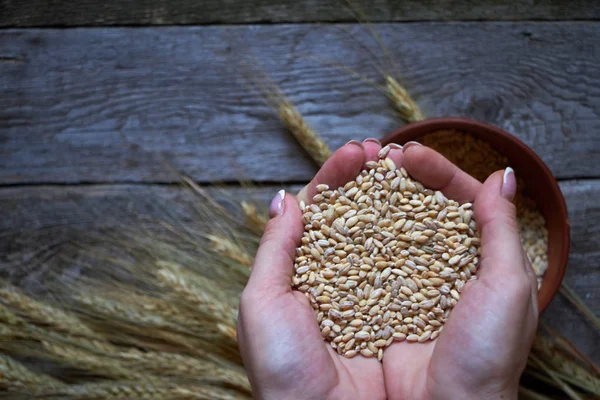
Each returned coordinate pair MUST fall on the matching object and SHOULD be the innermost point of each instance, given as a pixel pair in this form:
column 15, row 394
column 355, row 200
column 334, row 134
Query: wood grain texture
column 115, row 105
column 40, row 224
column 176, row 12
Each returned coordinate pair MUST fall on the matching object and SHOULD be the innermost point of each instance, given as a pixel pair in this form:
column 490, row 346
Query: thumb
column 274, row 261
column 502, row 257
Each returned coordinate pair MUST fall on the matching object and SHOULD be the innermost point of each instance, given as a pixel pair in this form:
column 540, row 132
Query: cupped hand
column 483, row 348
column 281, row 344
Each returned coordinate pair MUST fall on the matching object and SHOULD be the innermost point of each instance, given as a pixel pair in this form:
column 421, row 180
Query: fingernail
column 356, row 143
column 509, row 184
column 276, row 207
column 372, row 140
column 411, row 144
column 395, row 146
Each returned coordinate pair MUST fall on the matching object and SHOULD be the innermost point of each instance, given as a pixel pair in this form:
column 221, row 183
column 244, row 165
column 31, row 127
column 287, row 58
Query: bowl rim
column 465, row 124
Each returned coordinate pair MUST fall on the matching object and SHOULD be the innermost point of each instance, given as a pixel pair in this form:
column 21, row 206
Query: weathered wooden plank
column 40, row 223
column 176, row 12
column 112, row 105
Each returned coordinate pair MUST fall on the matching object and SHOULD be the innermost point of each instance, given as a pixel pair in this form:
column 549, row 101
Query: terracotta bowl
column 541, row 184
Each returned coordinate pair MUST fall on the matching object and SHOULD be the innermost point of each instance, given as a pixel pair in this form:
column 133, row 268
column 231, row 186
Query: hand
column 281, row 344
column 483, row 348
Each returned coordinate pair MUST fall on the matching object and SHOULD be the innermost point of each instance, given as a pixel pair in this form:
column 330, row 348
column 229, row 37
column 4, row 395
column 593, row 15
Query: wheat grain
column 378, row 254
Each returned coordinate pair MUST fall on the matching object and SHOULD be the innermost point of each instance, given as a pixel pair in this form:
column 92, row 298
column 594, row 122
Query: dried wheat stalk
column 134, row 390
column 44, row 315
column 14, row 375
column 233, row 251
column 304, row 134
column 255, row 220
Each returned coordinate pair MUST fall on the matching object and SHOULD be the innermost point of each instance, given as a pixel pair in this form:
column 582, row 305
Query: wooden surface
column 92, row 118
column 177, row 12
column 115, row 105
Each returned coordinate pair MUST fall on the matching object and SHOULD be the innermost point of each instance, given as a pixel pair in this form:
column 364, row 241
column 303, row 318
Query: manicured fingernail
column 395, row 146
column 276, row 207
column 372, row 140
column 411, row 144
column 356, row 143
column 509, row 184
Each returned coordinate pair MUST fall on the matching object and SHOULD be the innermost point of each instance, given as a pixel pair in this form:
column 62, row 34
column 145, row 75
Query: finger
column 373, row 151
column 372, row 147
column 343, row 166
column 396, row 154
column 274, row 261
column 435, row 172
column 502, row 255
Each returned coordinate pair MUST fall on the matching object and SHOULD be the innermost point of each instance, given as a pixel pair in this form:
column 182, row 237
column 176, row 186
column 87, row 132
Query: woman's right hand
column 483, row 348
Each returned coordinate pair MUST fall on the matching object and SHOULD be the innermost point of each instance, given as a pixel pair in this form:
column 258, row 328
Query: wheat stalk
column 89, row 362
column 186, row 367
column 402, row 101
column 564, row 367
column 146, row 391
column 563, row 385
column 198, row 292
column 570, row 295
column 44, row 315
column 304, row 134
column 231, row 250
column 255, row 220
column 528, row 394
column 13, row 375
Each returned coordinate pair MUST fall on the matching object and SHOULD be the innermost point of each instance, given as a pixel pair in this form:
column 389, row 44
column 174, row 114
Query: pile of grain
column 479, row 159
column 384, row 259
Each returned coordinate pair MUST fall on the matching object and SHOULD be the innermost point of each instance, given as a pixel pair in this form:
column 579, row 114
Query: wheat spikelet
column 129, row 313
column 44, row 315
column 228, row 248
column 563, row 385
column 304, row 134
column 186, row 367
column 117, row 390
column 13, row 374
column 8, row 317
column 570, row 295
column 145, row 391
column 87, row 361
column 564, row 366
column 197, row 297
column 401, row 100
column 255, row 220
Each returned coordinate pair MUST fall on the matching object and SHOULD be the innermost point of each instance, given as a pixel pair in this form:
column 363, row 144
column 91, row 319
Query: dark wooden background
column 97, row 99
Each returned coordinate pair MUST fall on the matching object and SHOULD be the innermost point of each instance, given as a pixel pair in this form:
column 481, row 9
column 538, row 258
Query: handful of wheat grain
column 384, row 259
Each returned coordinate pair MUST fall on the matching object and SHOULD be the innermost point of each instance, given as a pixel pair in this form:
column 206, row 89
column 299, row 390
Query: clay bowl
column 541, row 184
